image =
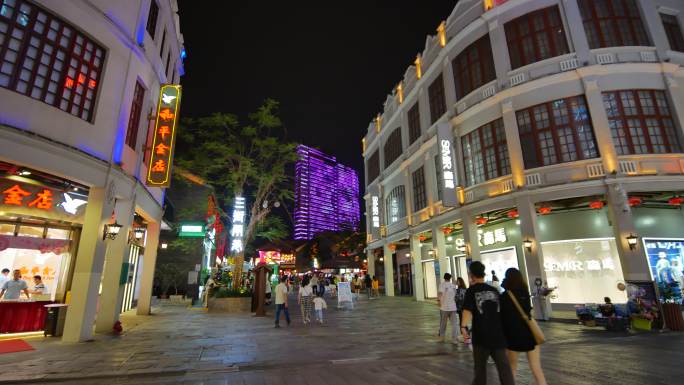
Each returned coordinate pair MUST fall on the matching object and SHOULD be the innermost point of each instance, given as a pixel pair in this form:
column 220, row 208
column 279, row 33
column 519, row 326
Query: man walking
column 482, row 306
column 368, row 282
column 447, row 308
column 281, row 301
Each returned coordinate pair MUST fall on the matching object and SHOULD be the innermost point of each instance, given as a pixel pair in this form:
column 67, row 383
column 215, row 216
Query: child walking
column 319, row 305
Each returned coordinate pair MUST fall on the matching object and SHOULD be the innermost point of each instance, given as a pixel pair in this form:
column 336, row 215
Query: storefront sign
column 237, row 232
column 445, row 139
column 492, row 237
column 665, row 260
column 192, row 230
column 25, row 198
column 276, row 257
column 375, row 211
column 163, row 144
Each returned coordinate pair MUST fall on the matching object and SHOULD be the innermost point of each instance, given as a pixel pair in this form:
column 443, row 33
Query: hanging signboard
column 159, row 172
column 237, row 232
column 445, row 149
column 192, row 230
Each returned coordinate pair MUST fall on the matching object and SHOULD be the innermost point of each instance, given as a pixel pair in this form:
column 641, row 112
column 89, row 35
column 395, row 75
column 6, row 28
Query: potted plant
column 671, row 295
column 226, row 299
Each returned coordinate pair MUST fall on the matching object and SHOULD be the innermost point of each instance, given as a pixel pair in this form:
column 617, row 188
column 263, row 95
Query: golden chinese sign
column 159, row 169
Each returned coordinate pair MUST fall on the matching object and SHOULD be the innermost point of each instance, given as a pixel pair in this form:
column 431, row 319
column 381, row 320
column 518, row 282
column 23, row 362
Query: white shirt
column 281, row 293
column 319, row 303
column 4, row 278
column 268, row 286
column 306, row 291
column 447, row 296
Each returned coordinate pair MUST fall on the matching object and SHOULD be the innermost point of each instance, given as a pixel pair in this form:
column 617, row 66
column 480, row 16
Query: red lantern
column 544, row 210
column 392, row 247
column 596, row 205
column 634, row 201
column 422, row 237
column 513, row 214
column 676, row 201
column 481, row 220
column 447, row 230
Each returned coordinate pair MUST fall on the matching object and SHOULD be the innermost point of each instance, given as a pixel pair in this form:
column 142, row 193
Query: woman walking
column 305, row 299
column 519, row 338
column 460, row 299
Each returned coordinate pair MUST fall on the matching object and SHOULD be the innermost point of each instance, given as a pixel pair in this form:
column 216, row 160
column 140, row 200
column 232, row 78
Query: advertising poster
column 344, row 294
column 665, row 260
column 583, row 270
column 499, row 261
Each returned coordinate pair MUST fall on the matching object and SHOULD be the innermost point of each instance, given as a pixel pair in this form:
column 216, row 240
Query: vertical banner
column 445, row 148
column 374, row 210
column 159, row 170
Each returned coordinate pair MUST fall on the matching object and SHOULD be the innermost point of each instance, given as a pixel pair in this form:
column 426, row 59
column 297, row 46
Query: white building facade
column 564, row 120
column 79, row 85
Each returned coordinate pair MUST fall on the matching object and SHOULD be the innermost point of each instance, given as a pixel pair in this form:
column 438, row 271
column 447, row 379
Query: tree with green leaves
column 242, row 158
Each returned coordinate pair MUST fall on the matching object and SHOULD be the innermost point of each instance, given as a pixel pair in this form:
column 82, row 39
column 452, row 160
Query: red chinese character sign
column 159, row 172
column 25, row 198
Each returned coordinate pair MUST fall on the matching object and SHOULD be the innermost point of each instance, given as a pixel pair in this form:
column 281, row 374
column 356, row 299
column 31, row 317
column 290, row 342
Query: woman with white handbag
column 521, row 331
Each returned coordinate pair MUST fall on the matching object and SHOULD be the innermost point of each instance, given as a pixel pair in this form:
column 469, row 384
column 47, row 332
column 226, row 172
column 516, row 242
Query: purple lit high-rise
column 326, row 195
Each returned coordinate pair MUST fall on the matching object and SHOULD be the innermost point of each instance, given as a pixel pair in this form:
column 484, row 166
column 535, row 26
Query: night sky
column 330, row 64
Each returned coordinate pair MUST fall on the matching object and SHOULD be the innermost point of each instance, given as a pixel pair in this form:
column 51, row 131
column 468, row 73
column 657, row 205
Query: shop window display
column 666, row 261
column 583, row 270
column 36, row 256
column 499, row 260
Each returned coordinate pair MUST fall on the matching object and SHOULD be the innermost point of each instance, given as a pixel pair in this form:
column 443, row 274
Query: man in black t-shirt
column 482, row 307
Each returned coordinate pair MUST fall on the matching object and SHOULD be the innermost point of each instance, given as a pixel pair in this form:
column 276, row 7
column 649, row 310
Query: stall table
column 22, row 316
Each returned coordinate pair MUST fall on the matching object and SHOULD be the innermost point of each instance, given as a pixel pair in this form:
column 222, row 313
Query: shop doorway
column 459, row 267
column 430, row 274
column 405, row 279
column 131, row 273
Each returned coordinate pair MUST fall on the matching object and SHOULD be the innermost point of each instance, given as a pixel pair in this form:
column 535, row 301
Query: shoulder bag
column 536, row 331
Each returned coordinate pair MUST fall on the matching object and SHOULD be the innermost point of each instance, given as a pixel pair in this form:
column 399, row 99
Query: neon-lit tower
column 326, row 195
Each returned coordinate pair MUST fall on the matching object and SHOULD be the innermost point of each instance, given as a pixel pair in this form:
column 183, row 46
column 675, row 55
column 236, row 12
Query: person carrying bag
column 523, row 334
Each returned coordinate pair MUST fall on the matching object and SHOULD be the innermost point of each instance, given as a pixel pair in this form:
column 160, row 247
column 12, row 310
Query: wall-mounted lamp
column 139, row 232
column 111, row 230
column 632, row 241
column 408, row 255
column 164, row 245
column 365, row 261
column 528, row 244
column 431, row 252
column 382, row 259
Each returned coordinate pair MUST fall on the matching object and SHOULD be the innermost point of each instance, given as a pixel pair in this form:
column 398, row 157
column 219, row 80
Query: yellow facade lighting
column 378, row 123
column 488, row 4
column 363, row 145
column 461, row 195
column 441, row 33
column 419, row 69
column 400, row 92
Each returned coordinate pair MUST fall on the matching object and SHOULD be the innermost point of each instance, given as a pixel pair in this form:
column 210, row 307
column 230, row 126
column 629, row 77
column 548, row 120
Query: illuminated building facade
column 326, row 195
column 545, row 135
column 80, row 85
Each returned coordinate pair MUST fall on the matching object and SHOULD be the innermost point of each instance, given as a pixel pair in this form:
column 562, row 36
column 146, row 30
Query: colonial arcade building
column 79, row 94
column 539, row 134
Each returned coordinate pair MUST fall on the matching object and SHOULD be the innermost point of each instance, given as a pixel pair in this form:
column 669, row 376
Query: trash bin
column 54, row 319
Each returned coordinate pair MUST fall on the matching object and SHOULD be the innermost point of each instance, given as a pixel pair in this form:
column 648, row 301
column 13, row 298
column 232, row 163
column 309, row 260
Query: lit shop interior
column 41, row 216
column 577, row 240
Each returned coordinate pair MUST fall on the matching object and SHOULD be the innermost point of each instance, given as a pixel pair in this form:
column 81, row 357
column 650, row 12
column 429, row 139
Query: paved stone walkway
column 383, row 341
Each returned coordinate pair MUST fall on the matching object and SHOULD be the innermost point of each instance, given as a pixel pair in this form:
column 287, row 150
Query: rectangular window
column 640, row 122
column 45, row 58
column 673, row 32
column 161, row 47
column 612, row 23
column 395, row 205
column 393, row 147
column 148, row 145
column 419, row 194
column 373, row 166
column 474, row 67
column 485, row 153
column 134, row 118
column 414, row 123
column 440, row 177
column 556, row 132
column 437, row 101
column 152, row 16
column 536, row 36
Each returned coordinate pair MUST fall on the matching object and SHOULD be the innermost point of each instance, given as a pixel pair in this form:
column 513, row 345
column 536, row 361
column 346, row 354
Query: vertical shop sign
column 237, row 232
column 445, row 144
column 375, row 212
column 159, row 172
